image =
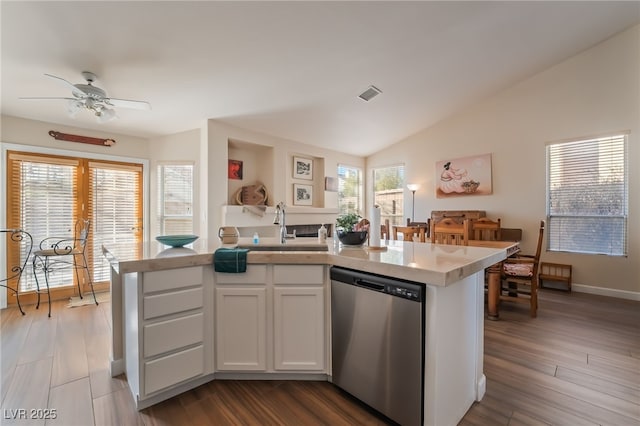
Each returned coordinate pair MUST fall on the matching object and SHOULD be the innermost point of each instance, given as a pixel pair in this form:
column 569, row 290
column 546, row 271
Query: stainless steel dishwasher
column 377, row 336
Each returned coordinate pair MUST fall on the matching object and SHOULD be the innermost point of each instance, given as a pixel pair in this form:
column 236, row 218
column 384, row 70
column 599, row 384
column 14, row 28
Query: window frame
column 161, row 214
column 397, row 218
column 580, row 168
column 360, row 189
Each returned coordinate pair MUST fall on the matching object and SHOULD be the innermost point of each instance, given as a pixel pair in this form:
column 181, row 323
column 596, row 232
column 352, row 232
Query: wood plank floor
column 578, row 363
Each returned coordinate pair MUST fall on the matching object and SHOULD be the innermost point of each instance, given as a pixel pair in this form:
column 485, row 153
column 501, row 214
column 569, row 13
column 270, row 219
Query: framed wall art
column 464, row 176
column 302, row 195
column 302, row 168
column 235, row 169
column 330, row 184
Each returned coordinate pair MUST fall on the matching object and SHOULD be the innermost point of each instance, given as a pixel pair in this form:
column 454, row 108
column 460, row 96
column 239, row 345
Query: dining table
column 494, row 274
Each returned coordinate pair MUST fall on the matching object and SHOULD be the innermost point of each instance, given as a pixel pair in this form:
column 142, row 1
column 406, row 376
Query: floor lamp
column 413, row 187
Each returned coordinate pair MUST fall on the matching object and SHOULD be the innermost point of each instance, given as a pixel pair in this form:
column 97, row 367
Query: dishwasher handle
column 369, row 285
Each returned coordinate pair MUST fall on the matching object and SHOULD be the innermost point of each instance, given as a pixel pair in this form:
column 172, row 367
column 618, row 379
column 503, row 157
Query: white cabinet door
column 241, row 321
column 299, row 328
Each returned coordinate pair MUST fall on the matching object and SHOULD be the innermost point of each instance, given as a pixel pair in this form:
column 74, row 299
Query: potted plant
column 351, row 230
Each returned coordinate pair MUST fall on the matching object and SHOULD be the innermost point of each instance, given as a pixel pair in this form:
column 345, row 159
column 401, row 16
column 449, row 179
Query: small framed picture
column 235, row 169
column 330, row 184
column 302, row 195
column 302, row 168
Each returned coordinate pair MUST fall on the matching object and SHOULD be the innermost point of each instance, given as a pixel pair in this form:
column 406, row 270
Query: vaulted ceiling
column 290, row 69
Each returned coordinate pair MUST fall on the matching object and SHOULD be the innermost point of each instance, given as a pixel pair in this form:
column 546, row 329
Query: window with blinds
column 388, row 193
column 587, row 196
column 115, row 208
column 175, row 195
column 47, row 194
column 43, row 200
column 350, row 198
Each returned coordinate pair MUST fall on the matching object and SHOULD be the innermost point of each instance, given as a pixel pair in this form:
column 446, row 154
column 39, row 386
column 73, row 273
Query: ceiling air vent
column 370, row 93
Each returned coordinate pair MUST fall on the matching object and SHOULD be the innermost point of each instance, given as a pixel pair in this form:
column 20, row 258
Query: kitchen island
column 143, row 299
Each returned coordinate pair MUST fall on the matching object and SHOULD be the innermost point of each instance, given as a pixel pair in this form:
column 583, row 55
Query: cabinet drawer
column 173, row 334
column 256, row 274
column 171, row 303
column 298, row 274
column 171, row 279
column 173, row 369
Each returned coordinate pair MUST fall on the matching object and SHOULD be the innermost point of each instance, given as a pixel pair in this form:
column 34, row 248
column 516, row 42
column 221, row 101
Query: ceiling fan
column 94, row 99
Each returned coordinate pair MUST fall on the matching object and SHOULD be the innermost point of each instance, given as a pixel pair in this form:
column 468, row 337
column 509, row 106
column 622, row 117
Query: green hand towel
column 230, row 260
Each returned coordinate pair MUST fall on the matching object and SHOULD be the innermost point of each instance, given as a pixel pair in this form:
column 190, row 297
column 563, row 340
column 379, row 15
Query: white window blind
column 350, row 198
column 175, row 194
column 115, row 194
column 587, row 190
column 388, row 193
column 42, row 201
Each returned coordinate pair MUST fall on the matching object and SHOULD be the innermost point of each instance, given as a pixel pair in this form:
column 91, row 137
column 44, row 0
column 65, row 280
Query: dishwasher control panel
column 383, row 284
column 411, row 294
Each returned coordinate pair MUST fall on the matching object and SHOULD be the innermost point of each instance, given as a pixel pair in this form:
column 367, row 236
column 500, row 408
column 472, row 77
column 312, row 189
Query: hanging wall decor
column 302, row 168
column 464, row 176
column 235, row 169
column 302, row 195
column 81, row 139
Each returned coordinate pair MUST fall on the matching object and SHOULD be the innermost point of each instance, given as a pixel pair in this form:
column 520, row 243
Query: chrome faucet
column 280, row 219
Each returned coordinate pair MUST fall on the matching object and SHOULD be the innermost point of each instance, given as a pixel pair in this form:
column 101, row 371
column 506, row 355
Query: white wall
column 218, row 134
column 31, row 132
column 594, row 93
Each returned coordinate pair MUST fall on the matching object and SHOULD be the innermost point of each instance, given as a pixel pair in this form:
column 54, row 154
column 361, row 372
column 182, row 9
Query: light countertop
column 433, row 264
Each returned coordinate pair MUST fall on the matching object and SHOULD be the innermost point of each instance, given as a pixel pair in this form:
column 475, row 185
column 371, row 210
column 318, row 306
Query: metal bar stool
column 22, row 244
column 58, row 253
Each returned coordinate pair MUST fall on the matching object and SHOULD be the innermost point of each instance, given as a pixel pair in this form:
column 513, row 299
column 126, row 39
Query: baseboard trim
column 116, row 367
column 610, row 292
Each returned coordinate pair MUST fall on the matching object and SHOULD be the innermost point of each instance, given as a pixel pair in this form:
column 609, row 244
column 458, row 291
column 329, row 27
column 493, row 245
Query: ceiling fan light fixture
column 73, row 107
column 370, row 93
column 105, row 114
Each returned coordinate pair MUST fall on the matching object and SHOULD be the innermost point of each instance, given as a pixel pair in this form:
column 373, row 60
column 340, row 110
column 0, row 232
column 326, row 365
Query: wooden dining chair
column 519, row 280
column 385, row 230
column 425, row 225
column 409, row 233
column 448, row 231
column 486, row 229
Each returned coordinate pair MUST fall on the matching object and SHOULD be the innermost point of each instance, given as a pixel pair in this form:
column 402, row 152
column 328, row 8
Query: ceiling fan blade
column 47, row 99
column 126, row 103
column 68, row 84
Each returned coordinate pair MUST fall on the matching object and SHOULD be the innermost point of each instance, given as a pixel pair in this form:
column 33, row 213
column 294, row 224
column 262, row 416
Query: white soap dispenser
column 256, row 238
column 322, row 234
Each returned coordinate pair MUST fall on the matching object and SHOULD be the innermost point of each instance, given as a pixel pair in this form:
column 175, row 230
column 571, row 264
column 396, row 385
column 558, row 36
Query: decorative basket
column 252, row 195
column 470, row 186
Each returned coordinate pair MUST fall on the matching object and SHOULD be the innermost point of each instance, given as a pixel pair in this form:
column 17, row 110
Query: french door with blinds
column 47, row 194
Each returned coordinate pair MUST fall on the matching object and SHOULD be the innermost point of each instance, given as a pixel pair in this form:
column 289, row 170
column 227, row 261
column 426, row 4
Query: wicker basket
column 470, row 186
